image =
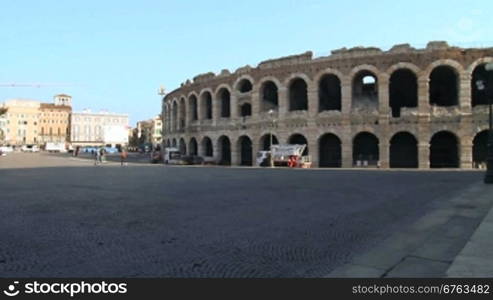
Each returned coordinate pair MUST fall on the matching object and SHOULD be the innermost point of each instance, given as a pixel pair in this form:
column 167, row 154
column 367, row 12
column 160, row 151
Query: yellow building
column 54, row 122
column 22, row 122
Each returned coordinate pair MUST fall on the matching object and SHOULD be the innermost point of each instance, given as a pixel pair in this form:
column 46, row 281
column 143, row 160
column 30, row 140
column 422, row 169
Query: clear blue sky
column 115, row 54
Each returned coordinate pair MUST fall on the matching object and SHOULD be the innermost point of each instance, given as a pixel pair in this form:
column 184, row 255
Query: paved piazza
column 61, row 216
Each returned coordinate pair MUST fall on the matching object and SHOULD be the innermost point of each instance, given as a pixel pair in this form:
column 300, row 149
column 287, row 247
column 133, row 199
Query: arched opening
column 194, row 114
column 246, row 152
column 329, row 93
column 224, row 145
column 403, row 151
column 365, row 90
column 480, row 150
column 193, row 147
column 403, row 91
column 444, row 89
column 298, row 139
column 206, row 106
column 225, row 102
column 245, row 110
column 182, row 147
column 481, row 81
column 265, row 141
column 168, row 143
column 298, row 95
column 245, row 86
column 444, row 151
column 175, row 116
column 330, row 152
column 365, row 150
column 269, row 96
column 183, row 113
column 207, row 147
column 173, row 143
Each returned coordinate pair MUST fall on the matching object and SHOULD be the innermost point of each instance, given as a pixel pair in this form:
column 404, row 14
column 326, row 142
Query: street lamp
column 271, row 114
column 487, row 86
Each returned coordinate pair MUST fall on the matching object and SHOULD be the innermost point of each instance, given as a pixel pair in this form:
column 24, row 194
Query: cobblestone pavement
column 65, row 217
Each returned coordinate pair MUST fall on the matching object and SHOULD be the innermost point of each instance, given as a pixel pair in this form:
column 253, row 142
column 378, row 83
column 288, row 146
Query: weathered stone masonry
column 404, row 107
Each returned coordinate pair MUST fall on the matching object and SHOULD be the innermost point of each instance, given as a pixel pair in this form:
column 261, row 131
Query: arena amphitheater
column 358, row 107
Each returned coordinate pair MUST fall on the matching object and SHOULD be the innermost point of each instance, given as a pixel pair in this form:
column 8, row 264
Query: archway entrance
column 403, row 151
column 444, row 152
column 299, row 139
column 365, row 150
column 330, row 151
column 265, row 142
column 246, row 152
column 480, row 150
column 224, row 151
column 193, row 147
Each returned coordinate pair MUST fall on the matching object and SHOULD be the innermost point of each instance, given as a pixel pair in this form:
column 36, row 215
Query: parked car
column 30, row 148
column 6, row 149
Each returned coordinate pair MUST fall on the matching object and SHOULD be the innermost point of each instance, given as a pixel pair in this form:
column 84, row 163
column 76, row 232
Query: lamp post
column 487, row 86
column 271, row 114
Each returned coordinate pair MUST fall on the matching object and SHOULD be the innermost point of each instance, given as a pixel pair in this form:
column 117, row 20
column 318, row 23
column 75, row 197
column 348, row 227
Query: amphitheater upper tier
column 363, row 107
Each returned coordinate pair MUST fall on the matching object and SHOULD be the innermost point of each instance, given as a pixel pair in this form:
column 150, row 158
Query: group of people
column 100, row 156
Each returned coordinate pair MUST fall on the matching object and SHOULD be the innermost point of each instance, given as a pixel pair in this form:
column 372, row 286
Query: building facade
column 359, row 107
column 54, row 121
column 99, row 128
column 21, row 122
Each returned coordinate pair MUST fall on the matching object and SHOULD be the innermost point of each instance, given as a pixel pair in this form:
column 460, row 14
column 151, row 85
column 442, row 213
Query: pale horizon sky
column 114, row 55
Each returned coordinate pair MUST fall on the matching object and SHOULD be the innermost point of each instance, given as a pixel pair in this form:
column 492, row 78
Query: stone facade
column 99, row 128
column 404, row 107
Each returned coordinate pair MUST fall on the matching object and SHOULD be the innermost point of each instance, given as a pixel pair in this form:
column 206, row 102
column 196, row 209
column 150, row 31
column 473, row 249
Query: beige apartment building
column 98, row 128
column 21, row 122
column 150, row 131
column 54, row 122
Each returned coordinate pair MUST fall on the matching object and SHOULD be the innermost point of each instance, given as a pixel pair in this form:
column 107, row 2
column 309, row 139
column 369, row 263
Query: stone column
column 465, row 93
column 384, row 149
column 466, row 154
column 283, row 102
column 383, row 95
column 234, row 105
column 255, row 149
column 235, row 155
column 346, row 96
column 216, row 109
column 347, row 149
column 424, row 155
column 423, row 96
column 312, row 100
column 313, row 151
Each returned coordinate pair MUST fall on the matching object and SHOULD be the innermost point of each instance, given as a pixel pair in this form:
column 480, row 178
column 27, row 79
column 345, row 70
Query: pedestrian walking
column 123, row 157
column 97, row 157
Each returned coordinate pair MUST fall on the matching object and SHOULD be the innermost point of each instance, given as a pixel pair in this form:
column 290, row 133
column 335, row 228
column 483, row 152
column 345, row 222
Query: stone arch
column 182, row 112
column 224, row 150
column 403, row 90
column 298, row 92
column 244, row 84
column 205, row 103
column 444, row 150
column 403, row 150
column 245, row 150
column 444, row 84
column 193, row 147
column 366, row 149
column 364, row 87
column 193, row 108
column 173, row 143
column 182, row 146
column 330, row 151
column 269, row 94
column 300, row 139
column 207, row 147
column 329, row 90
column 480, row 149
column 264, row 141
column 223, row 96
column 481, row 83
